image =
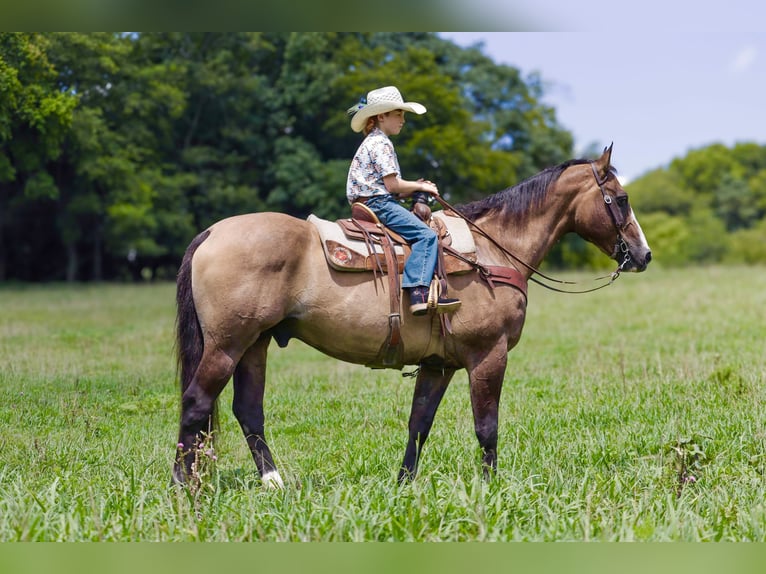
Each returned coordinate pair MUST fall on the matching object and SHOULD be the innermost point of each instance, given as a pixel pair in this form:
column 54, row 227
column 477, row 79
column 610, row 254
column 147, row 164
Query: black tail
column 188, row 331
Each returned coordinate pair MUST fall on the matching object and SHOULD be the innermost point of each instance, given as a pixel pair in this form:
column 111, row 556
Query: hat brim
column 359, row 119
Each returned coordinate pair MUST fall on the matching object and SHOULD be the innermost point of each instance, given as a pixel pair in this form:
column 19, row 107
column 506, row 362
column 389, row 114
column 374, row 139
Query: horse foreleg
column 429, row 390
column 249, row 385
column 486, row 381
column 197, row 406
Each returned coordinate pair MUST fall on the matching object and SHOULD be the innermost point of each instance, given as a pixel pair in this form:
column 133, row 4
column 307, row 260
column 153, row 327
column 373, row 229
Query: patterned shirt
column 375, row 159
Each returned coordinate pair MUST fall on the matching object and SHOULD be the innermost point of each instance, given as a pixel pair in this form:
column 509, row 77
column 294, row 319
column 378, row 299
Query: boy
column 375, row 179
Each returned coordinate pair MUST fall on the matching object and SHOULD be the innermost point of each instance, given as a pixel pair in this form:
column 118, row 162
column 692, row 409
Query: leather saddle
column 359, row 243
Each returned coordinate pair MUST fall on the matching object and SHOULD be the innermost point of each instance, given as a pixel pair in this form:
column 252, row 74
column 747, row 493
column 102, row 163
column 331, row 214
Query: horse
column 251, row 278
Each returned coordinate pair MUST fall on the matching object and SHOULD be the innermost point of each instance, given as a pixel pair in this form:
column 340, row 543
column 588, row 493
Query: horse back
column 255, row 239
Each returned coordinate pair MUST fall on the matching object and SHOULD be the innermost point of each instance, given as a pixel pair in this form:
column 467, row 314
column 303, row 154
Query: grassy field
column 633, row 413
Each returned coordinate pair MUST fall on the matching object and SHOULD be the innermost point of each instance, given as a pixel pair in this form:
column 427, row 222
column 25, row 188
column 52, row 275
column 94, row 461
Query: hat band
column 358, row 106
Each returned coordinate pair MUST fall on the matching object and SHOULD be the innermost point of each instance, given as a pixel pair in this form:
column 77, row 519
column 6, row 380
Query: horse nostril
column 648, row 257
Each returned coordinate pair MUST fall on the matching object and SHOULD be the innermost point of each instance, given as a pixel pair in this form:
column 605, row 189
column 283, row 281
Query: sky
column 655, row 95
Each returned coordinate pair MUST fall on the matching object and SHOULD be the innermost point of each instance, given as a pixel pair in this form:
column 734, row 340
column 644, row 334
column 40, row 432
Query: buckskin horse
column 252, row 278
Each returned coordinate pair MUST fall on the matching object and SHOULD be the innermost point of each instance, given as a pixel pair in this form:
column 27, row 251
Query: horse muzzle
column 634, row 259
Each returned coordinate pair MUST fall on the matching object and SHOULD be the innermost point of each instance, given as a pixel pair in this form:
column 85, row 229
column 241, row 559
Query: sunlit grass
column 633, row 413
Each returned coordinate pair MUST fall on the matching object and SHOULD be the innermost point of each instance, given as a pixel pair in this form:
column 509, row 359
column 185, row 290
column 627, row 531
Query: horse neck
column 532, row 235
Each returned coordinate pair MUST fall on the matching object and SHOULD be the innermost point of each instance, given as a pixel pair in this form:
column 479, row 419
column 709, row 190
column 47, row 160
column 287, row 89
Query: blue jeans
column 419, row 268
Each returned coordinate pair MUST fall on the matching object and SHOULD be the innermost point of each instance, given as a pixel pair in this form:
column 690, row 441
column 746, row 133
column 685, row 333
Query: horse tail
column 189, row 344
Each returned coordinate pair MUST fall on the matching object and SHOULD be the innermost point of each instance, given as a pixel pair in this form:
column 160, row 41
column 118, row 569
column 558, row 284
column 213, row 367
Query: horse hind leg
column 197, row 408
column 249, row 385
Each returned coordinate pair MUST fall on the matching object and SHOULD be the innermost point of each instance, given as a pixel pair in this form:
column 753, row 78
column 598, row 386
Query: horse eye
column 622, row 201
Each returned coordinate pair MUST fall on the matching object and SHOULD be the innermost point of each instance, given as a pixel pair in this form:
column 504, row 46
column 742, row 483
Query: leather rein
column 618, row 219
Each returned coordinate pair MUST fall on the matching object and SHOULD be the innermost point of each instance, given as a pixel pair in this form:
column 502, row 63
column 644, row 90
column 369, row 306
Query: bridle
column 617, row 217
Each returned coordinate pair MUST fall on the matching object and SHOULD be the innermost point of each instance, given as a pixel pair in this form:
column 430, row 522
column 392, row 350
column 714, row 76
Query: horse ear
column 605, row 160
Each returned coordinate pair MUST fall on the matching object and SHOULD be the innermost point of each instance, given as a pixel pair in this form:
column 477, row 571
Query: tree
column 707, row 241
column 748, row 245
column 662, row 190
column 35, row 116
column 757, row 186
column 733, row 203
column 701, row 170
column 668, row 235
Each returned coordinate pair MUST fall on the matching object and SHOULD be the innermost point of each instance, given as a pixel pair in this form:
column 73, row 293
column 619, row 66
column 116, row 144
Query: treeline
column 706, row 207
column 116, row 149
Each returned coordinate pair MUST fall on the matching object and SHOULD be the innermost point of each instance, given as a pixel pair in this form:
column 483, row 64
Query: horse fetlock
column 489, row 470
column 406, row 475
column 182, row 467
column 489, row 463
column 180, row 474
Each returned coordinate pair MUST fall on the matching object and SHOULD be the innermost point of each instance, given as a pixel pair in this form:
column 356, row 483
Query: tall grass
column 633, row 413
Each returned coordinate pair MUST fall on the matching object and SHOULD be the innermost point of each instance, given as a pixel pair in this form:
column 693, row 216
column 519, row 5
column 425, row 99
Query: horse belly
column 351, row 322
column 350, row 343
column 343, row 316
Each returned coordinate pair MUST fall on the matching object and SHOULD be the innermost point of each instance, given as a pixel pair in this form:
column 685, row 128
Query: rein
column 617, row 219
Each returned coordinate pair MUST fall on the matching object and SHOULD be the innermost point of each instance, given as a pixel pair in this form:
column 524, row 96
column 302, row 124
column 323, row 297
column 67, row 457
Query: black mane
column 518, row 199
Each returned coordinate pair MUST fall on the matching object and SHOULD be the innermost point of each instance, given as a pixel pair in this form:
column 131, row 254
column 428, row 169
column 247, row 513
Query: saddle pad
column 331, row 231
column 462, row 240
column 350, row 254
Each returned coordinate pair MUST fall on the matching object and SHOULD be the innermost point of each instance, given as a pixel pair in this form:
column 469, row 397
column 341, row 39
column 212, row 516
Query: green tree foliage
column 662, row 190
column 708, row 206
column 748, row 245
column 35, row 117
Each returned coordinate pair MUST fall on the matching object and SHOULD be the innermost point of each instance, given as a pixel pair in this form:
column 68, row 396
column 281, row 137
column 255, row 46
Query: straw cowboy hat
column 380, row 101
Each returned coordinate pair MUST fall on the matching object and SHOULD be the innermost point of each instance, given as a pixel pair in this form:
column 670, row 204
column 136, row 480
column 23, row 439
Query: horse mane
column 519, row 199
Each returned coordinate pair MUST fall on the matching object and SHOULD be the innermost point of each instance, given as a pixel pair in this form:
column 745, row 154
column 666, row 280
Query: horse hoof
column 178, row 477
column 272, row 480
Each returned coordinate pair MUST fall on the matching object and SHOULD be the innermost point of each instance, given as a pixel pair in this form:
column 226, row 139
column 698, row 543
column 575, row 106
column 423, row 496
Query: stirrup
column 438, row 303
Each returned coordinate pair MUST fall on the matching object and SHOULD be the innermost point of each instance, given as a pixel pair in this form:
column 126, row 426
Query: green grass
column 612, row 402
